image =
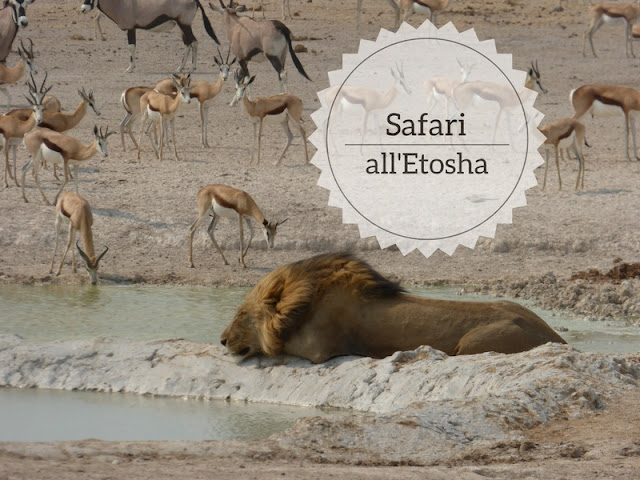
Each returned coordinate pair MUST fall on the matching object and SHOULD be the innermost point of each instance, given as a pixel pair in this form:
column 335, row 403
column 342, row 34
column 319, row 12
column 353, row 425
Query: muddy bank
column 593, row 300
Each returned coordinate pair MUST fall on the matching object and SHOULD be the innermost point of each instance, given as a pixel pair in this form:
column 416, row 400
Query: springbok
column 229, row 202
column 57, row 148
column 251, row 40
column 202, row 92
column 436, row 87
column 609, row 101
column 504, row 97
column 350, row 98
column 11, row 19
column 161, row 109
column 53, row 118
column 12, row 129
column 276, row 109
column 568, row 134
column 12, row 75
column 155, row 16
column 429, row 7
column 130, row 100
column 611, row 13
column 75, row 209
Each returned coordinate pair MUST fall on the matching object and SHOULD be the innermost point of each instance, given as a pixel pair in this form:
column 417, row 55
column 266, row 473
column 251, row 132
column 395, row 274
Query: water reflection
column 50, row 415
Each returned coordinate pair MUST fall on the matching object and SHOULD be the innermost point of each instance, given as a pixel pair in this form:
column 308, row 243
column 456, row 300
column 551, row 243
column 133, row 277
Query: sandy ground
column 143, row 209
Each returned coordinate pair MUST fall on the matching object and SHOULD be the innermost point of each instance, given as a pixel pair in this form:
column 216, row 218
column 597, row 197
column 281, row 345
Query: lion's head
column 285, row 298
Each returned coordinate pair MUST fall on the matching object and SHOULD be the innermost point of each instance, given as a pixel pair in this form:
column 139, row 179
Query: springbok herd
column 43, row 127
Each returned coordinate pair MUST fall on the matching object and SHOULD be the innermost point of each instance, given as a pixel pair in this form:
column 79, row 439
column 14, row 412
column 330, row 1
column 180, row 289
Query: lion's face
column 241, row 336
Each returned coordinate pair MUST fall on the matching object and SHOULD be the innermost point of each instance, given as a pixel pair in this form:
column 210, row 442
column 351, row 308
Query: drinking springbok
column 11, row 19
column 251, row 40
column 74, row 209
column 155, row 16
column 228, row 202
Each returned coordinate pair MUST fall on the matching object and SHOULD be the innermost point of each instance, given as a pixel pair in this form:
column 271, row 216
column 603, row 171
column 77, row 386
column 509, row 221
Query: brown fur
column 627, row 11
column 584, row 100
column 167, row 105
column 77, row 211
column 269, row 108
column 335, row 304
column 555, row 133
column 244, row 205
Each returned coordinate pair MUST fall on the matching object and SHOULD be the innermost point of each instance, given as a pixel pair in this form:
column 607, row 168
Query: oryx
column 12, row 16
column 155, row 16
column 251, row 40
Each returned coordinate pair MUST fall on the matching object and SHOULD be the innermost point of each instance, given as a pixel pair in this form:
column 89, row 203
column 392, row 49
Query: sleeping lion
column 336, row 304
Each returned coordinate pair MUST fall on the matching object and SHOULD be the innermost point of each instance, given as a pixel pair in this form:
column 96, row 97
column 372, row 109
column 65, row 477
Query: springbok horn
column 228, row 54
column 42, row 89
column 280, row 223
column 82, row 254
column 222, row 4
column 33, row 95
column 31, row 98
column 537, row 69
column 32, row 84
column 106, row 249
column 106, row 132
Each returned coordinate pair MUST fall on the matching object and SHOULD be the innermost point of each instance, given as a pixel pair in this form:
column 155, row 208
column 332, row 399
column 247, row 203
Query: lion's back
column 313, row 277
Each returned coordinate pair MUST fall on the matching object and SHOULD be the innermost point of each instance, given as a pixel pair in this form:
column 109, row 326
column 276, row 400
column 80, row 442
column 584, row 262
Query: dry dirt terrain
column 143, row 209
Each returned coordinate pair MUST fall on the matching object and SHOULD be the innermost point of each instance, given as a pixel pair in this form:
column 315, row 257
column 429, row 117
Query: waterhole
column 63, row 312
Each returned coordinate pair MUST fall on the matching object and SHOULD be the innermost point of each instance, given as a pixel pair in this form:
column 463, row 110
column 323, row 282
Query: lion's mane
column 285, row 298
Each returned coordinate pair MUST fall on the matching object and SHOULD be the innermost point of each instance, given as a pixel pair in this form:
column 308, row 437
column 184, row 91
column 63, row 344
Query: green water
column 41, row 313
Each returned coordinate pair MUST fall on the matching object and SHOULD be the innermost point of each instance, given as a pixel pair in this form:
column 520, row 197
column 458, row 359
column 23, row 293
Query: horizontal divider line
column 426, row 145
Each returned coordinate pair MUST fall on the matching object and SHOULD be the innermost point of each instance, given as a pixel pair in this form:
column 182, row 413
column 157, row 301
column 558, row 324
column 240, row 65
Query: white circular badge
column 427, row 138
